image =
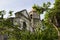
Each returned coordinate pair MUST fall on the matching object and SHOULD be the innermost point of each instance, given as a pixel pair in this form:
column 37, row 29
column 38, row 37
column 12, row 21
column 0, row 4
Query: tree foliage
column 50, row 18
column 53, row 14
column 41, row 9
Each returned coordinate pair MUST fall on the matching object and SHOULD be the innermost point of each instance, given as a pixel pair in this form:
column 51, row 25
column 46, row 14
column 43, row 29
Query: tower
column 35, row 18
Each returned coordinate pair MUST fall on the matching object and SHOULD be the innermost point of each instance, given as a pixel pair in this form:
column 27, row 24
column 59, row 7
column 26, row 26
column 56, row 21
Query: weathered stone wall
column 22, row 17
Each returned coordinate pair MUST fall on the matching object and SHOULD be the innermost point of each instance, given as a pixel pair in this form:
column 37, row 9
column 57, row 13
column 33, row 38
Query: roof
column 26, row 15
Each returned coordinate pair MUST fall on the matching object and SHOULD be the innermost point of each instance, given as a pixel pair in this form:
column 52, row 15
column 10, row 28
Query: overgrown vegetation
column 45, row 32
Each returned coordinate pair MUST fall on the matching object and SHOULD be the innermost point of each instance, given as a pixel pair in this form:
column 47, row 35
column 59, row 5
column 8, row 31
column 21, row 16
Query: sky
column 18, row 5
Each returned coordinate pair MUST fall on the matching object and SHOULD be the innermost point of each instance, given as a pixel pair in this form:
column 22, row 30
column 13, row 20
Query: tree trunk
column 56, row 23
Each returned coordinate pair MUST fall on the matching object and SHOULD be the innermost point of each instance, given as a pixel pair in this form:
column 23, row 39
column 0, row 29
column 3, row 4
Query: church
column 26, row 20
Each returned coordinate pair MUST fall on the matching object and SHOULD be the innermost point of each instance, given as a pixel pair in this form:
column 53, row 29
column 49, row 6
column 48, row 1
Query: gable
column 22, row 13
column 25, row 13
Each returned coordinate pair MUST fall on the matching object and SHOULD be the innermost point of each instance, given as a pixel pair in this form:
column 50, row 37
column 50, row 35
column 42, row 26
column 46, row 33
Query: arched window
column 24, row 25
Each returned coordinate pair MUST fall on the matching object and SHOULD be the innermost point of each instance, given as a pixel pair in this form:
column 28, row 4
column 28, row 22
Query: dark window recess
column 24, row 25
column 31, row 16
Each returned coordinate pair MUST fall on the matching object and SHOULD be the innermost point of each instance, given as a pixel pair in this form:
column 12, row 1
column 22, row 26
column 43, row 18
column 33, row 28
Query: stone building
column 27, row 20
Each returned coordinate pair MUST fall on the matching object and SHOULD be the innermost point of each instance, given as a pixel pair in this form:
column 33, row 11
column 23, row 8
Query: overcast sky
column 17, row 5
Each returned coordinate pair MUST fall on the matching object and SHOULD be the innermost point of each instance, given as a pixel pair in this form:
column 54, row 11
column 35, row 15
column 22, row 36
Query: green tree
column 53, row 15
column 2, row 13
column 10, row 12
column 57, row 12
column 41, row 9
column 48, row 17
